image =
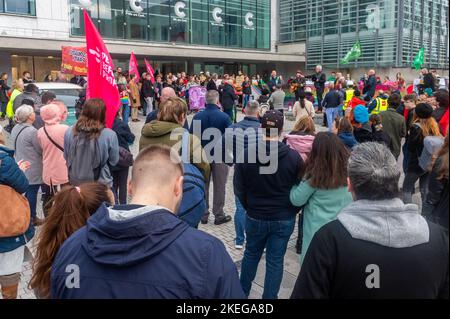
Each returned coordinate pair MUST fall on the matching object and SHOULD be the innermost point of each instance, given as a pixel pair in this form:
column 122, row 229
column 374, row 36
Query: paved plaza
column 225, row 233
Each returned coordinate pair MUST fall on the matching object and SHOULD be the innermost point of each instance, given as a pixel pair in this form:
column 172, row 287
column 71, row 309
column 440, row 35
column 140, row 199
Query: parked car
column 67, row 93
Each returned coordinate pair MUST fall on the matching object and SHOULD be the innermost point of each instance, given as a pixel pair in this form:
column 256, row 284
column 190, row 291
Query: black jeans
column 120, row 183
column 409, row 186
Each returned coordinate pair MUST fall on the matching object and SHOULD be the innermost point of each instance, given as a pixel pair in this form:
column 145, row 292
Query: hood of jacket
column 389, row 223
column 348, row 138
column 127, row 235
column 159, row 128
column 301, row 143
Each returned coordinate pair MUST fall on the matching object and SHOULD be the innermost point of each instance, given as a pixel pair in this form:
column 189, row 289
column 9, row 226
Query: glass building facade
column 391, row 32
column 221, row 23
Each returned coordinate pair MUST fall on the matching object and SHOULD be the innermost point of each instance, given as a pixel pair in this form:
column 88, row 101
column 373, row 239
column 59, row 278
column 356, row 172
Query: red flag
column 150, row 71
column 134, row 67
column 101, row 81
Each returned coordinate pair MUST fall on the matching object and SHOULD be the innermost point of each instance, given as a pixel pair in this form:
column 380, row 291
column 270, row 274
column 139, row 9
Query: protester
column 276, row 100
column 424, row 125
column 379, row 247
column 148, row 92
column 394, row 125
column 212, row 83
column 135, row 98
column 302, row 136
column 168, row 130
column 69, row 211
column 264, row 97
column 428, row 80
column 31, row 92
column 319, row 79
column 371, row 84
column 362, row 129
column 323, row 191
column 264, row 195
column 120, row 171
column 17, row 88
column 228, row 99
column 176, row 261
column 241, row 134
column 344, row 131
column 246, row 91
column 212, row 118
column 90, row 148
column 441, row 114
column 274, row 80
column 332, row 102
column 165, row 94
column 435, row 208
column 4, row 88
column 26, row 146
column 354, row 102
column 26, row 77
column 12, row 249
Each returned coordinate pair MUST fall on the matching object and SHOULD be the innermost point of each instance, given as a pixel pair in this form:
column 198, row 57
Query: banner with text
column 74, row 60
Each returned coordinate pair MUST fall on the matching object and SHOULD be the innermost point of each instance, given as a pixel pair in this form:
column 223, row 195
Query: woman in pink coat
column 51, row 139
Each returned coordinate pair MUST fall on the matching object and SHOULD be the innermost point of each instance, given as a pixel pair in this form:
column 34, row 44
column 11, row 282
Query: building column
column 5, row 65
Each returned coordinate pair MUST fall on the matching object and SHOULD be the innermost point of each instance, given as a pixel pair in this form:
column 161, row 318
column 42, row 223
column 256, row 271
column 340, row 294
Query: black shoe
column 204, row 221
column 222, row 220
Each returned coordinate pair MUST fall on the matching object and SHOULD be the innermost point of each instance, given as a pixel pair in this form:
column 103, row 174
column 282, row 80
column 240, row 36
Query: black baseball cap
column 272, row 119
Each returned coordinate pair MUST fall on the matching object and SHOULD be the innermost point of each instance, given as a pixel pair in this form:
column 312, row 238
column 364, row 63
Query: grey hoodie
column 390, row 223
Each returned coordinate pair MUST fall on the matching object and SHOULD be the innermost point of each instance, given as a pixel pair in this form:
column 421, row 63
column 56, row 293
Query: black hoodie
column 266, row 196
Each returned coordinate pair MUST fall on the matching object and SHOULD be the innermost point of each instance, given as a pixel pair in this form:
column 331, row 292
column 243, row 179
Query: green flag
column 353, row 54
column 419, row 59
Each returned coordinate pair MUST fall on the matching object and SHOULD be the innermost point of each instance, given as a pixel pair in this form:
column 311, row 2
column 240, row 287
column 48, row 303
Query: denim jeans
column 331, row 113
column 125, row 113
column 3, row 108
column 120, row 184
column 149, row 102
column 405, row 157
column 409, row 185
column 31, row 195
column 239, row 222
column 246, row 100
column 274, row 236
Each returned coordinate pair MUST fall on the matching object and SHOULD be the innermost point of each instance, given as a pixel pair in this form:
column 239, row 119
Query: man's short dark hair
column 47, row 97
column 31, row 88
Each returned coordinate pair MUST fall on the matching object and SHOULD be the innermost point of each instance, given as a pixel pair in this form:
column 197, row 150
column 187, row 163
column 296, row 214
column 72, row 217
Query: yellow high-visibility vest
column 348, row 96
column 382, row 105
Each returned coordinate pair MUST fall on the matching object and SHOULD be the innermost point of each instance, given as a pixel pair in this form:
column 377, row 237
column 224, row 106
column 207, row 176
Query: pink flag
column 101, row 81
column 150, row 71
column 134, row 67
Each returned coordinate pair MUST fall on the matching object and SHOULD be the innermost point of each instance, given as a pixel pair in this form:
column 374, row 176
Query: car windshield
column 69, row 97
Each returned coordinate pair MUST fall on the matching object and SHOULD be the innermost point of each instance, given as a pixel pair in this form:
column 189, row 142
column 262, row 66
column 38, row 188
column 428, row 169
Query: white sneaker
column 240, row 247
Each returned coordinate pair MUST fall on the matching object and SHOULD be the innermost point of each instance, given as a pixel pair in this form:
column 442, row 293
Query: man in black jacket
column 262, row 187
column 228, row 100
column 370, row 85
column 378, row 248
column 429, row 81
column 319, row 79
column 148, row 91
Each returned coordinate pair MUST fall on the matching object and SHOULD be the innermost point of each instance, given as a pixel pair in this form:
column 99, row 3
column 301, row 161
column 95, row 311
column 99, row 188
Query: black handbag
column 125, row 158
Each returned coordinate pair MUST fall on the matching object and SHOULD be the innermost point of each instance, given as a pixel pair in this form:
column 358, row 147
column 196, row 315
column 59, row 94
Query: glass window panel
column 179, row 19
column 111, row 18
column 136, row 19
column 20, row 6
column 233, row 24
column 199, row 22
column 249, row 21
column 159, row 20
column 263, row 24
column 217, row 22
column 76, row 16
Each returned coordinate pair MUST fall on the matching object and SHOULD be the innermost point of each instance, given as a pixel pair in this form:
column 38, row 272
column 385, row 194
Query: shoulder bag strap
column 17, row 137
column 53, row 142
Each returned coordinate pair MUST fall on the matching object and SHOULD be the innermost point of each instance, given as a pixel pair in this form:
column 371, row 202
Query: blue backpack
column 193, row 204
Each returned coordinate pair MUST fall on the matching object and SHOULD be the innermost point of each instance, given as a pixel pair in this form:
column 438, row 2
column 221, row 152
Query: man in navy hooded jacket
column 143, row 250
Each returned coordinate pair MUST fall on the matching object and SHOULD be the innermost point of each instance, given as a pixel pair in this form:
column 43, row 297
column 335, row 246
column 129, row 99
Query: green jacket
column 321, row 206
column 394, row 126
column 159, row 132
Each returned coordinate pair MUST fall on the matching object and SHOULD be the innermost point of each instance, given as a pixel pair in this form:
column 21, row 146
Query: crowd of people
column 137, row 237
